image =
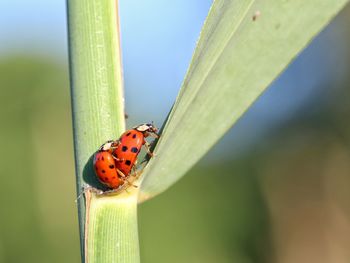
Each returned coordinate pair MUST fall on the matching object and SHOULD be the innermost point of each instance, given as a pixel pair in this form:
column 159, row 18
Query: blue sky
column 158, row 38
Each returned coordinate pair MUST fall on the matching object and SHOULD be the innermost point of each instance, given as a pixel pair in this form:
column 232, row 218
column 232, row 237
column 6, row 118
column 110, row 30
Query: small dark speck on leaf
column 256, row 15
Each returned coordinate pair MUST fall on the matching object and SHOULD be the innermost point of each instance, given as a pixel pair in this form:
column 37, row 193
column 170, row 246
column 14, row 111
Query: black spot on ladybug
column 127, row 162
column 106, row 179
column 103, row 171
column 111, row 166
column 128, row 133
column 103, row 158
column 134, row 150
column 134, row 136
column 113, row 177
column 124, row 148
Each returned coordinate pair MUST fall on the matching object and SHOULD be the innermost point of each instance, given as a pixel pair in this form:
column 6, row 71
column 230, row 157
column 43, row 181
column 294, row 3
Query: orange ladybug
column 105, row 165
column 129, row 146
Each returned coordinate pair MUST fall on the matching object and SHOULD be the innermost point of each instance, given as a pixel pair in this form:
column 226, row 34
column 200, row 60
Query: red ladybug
column 105, row 165
column 130, row 144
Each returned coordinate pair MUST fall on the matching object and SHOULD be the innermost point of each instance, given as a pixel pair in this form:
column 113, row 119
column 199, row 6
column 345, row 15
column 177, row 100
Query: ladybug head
column 147, row 128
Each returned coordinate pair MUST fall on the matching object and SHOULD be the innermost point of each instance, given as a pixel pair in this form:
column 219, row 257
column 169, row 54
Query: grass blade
column 243, row 47
column 98, row 115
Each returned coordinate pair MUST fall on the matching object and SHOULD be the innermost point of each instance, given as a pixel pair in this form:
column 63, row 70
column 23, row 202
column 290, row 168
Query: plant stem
column 112, row 234
column 98, row 115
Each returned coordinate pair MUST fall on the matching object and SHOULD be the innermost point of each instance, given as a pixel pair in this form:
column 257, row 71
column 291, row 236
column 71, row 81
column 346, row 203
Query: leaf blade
column 241, row 52
column 96, row 86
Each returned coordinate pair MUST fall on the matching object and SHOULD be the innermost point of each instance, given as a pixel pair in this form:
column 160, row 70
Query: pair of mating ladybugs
column 115, row 161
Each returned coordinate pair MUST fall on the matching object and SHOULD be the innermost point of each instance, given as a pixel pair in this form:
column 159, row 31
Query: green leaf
column 243, row 47
column 108, row 225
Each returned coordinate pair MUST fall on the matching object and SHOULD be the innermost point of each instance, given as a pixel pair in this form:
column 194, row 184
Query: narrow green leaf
column 97, row 97
column 243, row 47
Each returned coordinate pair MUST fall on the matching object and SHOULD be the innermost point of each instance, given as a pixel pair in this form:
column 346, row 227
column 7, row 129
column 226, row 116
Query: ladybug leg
column 135, row 166
column 147, row 146
column 128, row 182
column 144, row 161
column 134, row 171
column 124, row 178
column 131, row 184
column 121, row 173
column 118, row 159
column 137, row 174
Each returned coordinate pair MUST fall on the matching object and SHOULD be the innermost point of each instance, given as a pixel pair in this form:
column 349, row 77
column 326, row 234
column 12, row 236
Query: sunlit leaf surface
column 243, row 47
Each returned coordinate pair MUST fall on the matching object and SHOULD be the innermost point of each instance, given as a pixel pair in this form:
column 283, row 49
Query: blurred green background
column 275, row 189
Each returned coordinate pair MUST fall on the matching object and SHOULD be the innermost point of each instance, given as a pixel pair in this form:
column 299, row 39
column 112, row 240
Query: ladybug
column 105, row 166
column 130, row 143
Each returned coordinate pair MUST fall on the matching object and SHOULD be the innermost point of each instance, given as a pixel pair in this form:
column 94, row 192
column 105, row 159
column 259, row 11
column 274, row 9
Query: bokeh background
column 274, row 189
